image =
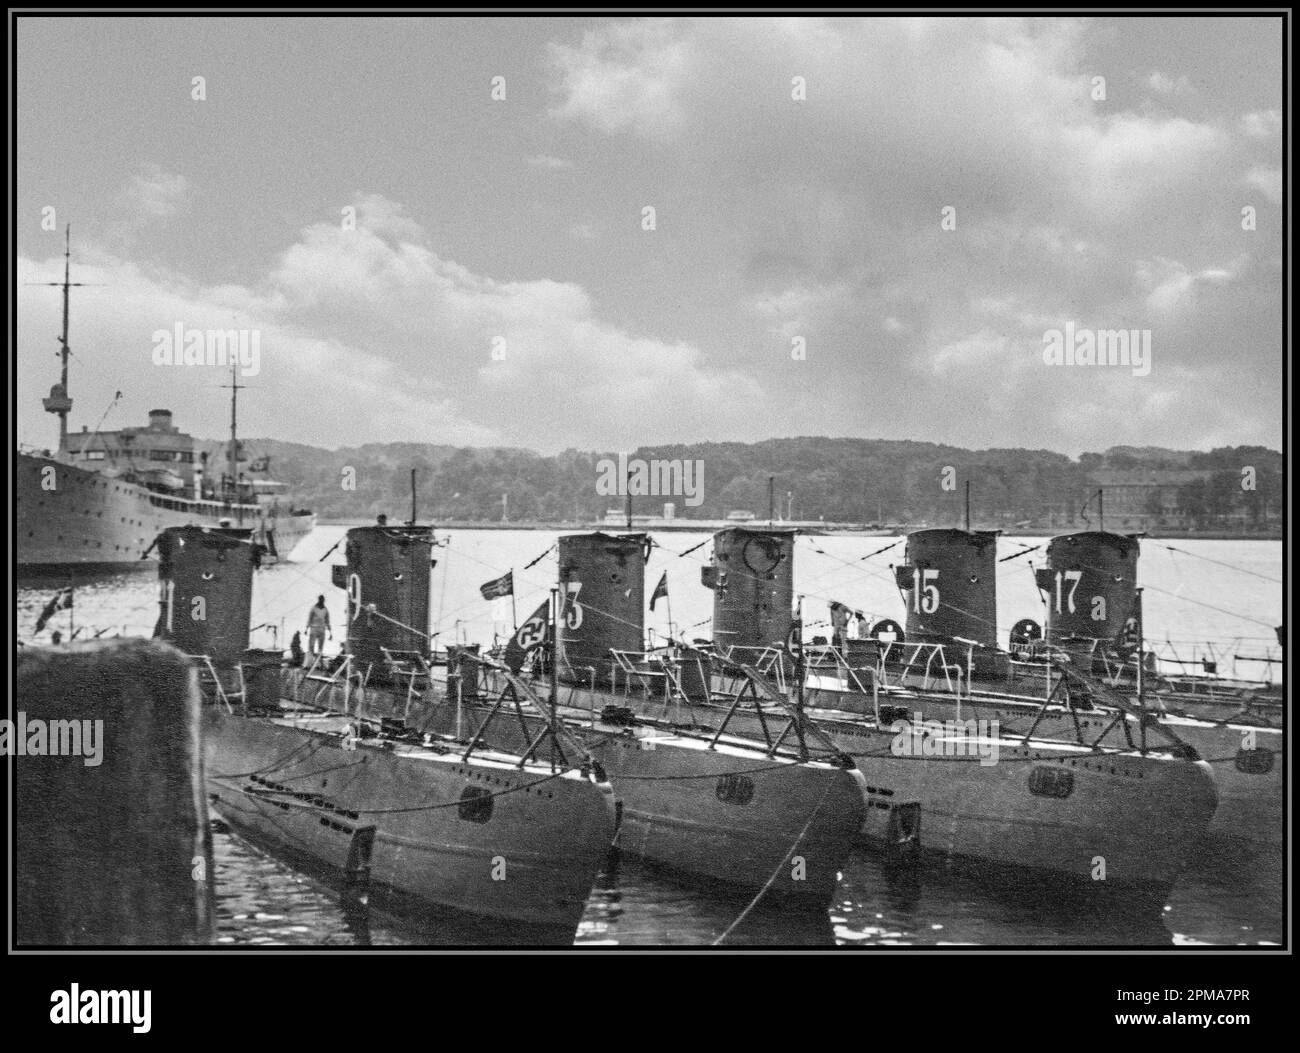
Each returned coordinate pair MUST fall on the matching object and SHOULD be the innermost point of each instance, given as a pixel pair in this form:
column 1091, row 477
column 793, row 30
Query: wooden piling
column 116, row 852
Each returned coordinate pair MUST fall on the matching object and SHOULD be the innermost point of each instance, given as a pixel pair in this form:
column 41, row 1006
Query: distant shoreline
column 817, row 529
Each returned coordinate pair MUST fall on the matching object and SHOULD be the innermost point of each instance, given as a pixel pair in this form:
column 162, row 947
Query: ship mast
column 58, row 401
column 63, row 337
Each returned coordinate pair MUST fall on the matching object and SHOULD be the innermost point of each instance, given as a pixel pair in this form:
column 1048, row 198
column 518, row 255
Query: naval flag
column 497, row 587
column 528, row 637
column 661, row 591
column 794, row 640
column 61, row 601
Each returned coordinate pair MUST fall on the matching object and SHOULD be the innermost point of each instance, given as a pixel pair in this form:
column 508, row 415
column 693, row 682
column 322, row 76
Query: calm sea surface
column 1191, row 605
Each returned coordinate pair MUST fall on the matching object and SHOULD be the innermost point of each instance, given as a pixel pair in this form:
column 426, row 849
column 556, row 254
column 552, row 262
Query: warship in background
column 102, row 498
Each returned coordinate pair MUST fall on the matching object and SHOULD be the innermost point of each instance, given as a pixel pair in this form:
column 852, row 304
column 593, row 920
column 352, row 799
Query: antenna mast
column 627, row 485
column 235, row 387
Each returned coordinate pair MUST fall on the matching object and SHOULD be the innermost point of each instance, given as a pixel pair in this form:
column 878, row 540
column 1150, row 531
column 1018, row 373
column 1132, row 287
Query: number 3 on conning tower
column 572, row 609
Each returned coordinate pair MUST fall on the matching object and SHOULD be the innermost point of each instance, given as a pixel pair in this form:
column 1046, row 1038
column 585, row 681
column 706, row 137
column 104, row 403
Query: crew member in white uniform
column 318, row 625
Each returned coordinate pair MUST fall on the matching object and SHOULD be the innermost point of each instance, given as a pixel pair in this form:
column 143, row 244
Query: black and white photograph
column 620, row 481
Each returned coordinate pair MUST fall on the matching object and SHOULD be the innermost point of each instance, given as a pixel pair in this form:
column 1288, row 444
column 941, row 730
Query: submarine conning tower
column 602, row 603
column 949, row 583
column 752, row 578
column 387, row 582
column 205, row 602
column 1089, row 585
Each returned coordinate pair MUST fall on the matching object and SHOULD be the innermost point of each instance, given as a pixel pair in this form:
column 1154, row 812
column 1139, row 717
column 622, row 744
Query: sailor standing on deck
column 839, row 624
column 318, row 625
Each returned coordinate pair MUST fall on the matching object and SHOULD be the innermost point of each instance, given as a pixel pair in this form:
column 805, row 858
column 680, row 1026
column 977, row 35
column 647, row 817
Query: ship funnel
column 602, row 590
column 1089, row 585
column 206, row 591
column 387, row 581
column 949, row 584
column 752, row 578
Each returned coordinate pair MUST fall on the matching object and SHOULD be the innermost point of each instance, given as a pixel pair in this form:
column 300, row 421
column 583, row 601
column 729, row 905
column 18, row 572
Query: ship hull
column 526, row 853
column 789, row 831
column 69, row 516
column 1128, row 822
column 1250, row 798
column 726, row 813
column 1143, row 816
column 1250, row 787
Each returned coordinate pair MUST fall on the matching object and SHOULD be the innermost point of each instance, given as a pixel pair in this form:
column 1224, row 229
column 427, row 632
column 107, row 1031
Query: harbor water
column 1196, row 596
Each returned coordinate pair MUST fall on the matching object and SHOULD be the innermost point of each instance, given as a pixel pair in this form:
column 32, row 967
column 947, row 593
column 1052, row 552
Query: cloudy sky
column 518, row 224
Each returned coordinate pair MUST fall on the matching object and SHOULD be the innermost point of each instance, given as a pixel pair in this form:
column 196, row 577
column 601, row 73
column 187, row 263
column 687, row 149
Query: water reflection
column 1234, row 896
column 638, row 904
column 263, row 900
column 886, row 901
column 881, row 902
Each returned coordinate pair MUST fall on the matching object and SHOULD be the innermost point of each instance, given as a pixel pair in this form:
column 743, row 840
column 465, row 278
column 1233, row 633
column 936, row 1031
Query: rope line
column 768, row 884
column 1221, row 563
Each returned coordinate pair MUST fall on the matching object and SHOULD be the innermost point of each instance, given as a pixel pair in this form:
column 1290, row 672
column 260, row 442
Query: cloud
column 980, row 350
column 1267, row 180
column 1165, row 85
column 795, row 310
column 1060, row 203
column 1011, row 312
column 378, row 214
column 1262, row 124
column 1173, row 285
column 987, row 112
column 372, row 336
column 549, row 162
column 624, row 76
column 156, row 194
column 1124, row 162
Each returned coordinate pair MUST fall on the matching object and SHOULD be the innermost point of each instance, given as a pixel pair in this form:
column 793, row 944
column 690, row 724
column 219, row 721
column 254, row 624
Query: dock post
column 112, row 845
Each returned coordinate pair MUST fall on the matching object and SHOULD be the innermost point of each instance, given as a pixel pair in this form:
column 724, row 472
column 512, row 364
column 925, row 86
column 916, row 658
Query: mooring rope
column 768, row 884
column 311, row 747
